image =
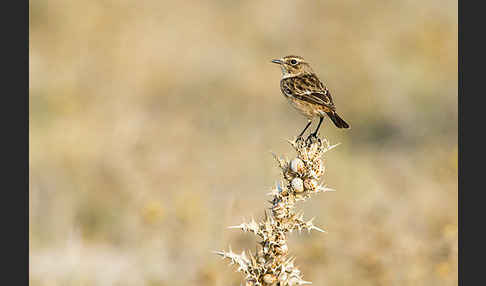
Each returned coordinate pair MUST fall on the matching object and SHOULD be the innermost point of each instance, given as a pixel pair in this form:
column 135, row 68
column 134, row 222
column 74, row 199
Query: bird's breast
column 307, row 109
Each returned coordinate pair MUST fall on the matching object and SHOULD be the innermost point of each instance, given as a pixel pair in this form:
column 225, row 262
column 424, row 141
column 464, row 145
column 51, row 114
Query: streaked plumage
column 301, row 86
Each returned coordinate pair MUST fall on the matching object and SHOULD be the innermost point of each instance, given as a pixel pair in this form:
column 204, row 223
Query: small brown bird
column 301, row 86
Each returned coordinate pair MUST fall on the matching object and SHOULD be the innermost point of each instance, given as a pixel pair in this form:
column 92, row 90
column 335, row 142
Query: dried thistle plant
column 271, row 264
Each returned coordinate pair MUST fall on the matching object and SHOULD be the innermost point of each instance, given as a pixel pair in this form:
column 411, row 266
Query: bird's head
column 293, row 65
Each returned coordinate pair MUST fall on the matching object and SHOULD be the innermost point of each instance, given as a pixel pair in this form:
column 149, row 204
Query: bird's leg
column 302, row 133
column 314, row 134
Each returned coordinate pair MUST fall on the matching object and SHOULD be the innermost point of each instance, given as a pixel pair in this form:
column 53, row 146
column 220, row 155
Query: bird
column 305, row 92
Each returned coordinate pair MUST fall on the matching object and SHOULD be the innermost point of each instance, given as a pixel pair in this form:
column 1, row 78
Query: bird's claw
column 310, row 138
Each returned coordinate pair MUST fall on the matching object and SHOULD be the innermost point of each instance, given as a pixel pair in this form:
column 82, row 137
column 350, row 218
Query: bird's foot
column 299, row 138
column 310, row 139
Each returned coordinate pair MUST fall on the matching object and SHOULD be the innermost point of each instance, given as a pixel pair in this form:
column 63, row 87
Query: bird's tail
column 338, row 121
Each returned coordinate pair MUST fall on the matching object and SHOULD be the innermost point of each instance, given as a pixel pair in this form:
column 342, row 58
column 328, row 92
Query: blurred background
column 152, row 125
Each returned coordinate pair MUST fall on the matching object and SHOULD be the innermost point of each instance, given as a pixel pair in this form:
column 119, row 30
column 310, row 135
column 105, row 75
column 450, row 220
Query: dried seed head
column 270, row 265
column 297, row 185
column 310, row 185
column 313, row 151
column 269, row 279
column 318, row 167
column 297, row 166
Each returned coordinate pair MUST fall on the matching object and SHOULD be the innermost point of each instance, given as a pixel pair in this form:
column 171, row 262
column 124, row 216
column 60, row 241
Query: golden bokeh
column 152, row 125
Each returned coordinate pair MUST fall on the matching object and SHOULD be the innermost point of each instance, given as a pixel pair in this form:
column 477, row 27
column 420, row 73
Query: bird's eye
column 293, row 62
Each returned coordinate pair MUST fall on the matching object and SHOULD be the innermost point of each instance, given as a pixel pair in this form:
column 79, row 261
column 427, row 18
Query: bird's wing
column 308, row 88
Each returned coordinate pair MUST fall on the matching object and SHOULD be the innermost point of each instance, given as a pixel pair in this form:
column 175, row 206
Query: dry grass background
column 152, row 122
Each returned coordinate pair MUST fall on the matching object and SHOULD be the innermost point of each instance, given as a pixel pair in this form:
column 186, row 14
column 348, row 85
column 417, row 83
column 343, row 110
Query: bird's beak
column 277, row 62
